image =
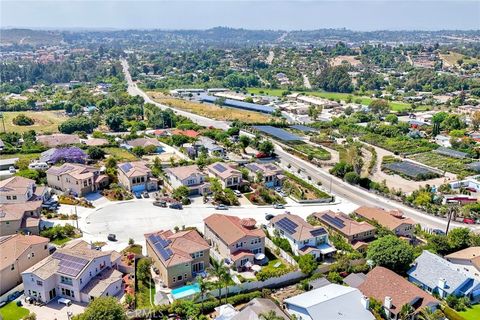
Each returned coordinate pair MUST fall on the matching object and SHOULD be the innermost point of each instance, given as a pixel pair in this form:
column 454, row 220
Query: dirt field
column 350, row 59
column 45, row 121
column 210, row 110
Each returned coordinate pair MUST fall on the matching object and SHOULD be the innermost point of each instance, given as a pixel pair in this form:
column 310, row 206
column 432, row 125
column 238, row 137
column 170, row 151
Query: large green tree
column 391, row 252
column 103, row 308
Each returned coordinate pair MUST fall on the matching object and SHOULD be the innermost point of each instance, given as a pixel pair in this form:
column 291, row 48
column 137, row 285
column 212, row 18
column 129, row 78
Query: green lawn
column 61, row 242
column 143, row 294
column 472, row 313
column 120, row 154
column 12, row 312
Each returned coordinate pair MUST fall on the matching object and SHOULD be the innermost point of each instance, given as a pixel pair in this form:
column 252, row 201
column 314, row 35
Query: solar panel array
column 475, row 166
column 160, row 245
column 253, row 167
column 278, row 133
column 287, row 225
column 240, row 104
column 451, row 153
column 70, row 265
column 220, row 168
column 303, row 128
column 334, row 221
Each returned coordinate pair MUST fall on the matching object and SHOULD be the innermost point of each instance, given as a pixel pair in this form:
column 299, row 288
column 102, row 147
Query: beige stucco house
column 136, row 177
column 235, row 240
column 18, row 253
column 189, row 176
column 179, row 257
column 78, row 179
column 392, row 220
column 229, row 176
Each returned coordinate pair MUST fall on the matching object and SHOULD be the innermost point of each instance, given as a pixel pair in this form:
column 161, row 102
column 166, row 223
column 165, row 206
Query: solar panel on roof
column 126, row 167
column 278, row 133
column 318, row 232
column 253, row 167
column 219, row 168
column 70, row 265
column 287, row 225
column 335, row 221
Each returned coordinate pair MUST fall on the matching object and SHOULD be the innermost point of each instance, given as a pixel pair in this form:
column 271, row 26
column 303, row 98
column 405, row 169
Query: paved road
column 338, row 187
column 135, row 91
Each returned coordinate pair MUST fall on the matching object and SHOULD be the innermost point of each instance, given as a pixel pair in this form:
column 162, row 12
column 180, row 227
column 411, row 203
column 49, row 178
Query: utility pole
column 451, row 210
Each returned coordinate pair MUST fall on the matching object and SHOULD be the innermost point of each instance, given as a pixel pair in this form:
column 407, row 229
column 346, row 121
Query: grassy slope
column 45, row 121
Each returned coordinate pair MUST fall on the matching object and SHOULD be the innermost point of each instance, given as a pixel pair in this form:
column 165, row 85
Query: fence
column 275, row 249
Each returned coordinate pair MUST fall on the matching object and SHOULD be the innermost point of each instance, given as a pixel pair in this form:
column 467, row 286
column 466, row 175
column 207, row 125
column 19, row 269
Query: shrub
column 23, row 120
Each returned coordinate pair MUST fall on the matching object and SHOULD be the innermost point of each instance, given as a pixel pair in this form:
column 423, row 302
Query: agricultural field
column 399, row 145
column 301, row 190
column 210, row 110
column 444, row 163
column 44, row 121
column 312, row 152
column 407, row 169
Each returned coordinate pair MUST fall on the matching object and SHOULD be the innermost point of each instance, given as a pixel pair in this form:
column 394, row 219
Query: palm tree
column 429, row 314
column 406, row 312
column 204, row 287
column 226, row 279
column 218, row 270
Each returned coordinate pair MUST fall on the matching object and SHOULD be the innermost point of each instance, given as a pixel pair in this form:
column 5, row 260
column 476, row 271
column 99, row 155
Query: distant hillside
column 29, row 37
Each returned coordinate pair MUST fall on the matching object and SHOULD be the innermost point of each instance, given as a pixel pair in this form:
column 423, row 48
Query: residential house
column 332, row 302
column 179, row 257
column 77, row 272
column 19, row 190
column 187, row 133
column 393, row 291
column 269, row 174
column 189, row 176
column 352, row 230
column 20, row 217
column 95, row 142
column 136, row 177
column 236, row 240
column 229, row 177
column 78, row 179
column 302, row 236
column 58, row 139
column 144, row 142
column 18, row 253
column 210, row 146
column 392, row 220
column 467, row 259
column 438, row 276
column 253, row 310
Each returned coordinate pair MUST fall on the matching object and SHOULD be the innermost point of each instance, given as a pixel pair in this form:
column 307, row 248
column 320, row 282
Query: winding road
column 335, row 185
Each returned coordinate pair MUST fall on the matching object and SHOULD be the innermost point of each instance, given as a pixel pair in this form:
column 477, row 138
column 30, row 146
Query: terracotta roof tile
column 230, row 228
column 389, row 219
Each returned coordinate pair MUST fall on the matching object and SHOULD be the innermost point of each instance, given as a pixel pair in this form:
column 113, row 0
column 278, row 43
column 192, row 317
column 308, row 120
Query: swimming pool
column 185, row 291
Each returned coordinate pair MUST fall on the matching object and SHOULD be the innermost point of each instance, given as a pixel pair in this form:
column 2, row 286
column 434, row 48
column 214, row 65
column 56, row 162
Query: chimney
column 442, row 283
column 388, row 302
column 365, row 302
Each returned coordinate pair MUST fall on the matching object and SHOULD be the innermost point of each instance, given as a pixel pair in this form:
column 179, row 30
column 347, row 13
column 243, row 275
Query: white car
column 237, row 193
column 12, row 169
column 38, row 166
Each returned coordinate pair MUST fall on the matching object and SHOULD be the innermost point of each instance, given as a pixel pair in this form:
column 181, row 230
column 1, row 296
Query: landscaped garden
column 407, row 169
column 301, row 190
column 263, row 195
column 444, row 163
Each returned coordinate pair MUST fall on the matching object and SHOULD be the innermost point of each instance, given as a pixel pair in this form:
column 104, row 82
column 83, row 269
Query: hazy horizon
column 356, row 15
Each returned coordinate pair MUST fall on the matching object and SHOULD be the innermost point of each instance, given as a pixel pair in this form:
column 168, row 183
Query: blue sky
column 257, row 14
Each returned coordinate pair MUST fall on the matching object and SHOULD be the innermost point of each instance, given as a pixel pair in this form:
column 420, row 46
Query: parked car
column 468, row 221
column 176, row 205
column 221, row 207
column 112, row 237
column 138, row 195
column 162, row 204
column 278, row 206
column 12, row 169
column 145, row 194
column 237, row 193
column 269, row 216
column 38, row 166
column 438, row 232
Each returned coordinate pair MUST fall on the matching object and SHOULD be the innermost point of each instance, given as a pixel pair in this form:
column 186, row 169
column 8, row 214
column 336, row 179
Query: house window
column 9, row 198
column 179, row 278
column 12, row 267
column 14, row 197
column 66, row 280
column 33, row 254
column 39, row 283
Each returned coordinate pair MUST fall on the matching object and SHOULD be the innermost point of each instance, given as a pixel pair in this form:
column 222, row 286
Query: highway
column 335, row 185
